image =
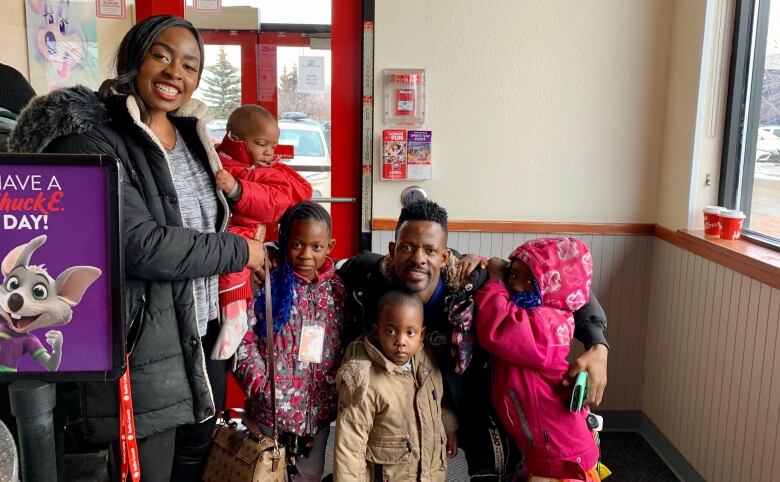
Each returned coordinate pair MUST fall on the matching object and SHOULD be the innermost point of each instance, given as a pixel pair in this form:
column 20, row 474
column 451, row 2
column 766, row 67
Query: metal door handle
column 336, row 200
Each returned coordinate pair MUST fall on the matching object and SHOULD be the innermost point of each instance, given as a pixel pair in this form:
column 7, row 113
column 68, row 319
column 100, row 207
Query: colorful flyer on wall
column 418, row 155
column 111, row 8
column 394, row 154
column 60, row 263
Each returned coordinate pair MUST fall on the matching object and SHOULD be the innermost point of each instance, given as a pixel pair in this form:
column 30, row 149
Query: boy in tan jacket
column 391, row 425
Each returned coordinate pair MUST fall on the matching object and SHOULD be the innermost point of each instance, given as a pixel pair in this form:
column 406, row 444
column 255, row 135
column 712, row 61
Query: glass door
column 288, row 73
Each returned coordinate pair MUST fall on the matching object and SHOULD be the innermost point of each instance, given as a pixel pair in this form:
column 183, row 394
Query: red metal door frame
column 346, row 115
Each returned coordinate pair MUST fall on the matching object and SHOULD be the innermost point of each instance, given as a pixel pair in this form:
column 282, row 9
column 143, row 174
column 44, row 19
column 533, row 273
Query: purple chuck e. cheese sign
column 55, row 297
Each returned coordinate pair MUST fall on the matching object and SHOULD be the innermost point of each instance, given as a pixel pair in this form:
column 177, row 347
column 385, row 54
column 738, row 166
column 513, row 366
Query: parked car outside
column 769, row 142
column 217, row 129
column 311, row 149
column 293, row 116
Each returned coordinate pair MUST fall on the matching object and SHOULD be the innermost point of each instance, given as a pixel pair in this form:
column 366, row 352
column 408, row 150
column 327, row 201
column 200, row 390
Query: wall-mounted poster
column 62, row 44
column 60, row 302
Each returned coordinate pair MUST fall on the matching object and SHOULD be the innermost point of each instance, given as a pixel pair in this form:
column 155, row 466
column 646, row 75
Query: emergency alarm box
column 404, row 97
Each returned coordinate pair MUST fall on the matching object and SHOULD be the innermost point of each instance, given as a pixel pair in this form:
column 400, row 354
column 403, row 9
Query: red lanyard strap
column 128, row 445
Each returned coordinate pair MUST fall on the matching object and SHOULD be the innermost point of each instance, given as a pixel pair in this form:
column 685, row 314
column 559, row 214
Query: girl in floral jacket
column 308, row 301
column 525, row 319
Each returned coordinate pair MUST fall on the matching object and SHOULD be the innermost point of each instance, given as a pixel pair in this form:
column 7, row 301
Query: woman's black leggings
column 180, row 454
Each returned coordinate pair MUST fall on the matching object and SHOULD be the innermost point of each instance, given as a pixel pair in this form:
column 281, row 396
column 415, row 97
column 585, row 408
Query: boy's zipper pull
column 434, row 394
column 546, row 439
column 409, row 444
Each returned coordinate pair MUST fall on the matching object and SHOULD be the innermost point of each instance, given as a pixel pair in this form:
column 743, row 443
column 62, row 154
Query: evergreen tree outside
column 222, row 86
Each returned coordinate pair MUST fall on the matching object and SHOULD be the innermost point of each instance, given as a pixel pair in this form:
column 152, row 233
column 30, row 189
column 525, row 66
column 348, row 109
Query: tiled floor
column 627, row 454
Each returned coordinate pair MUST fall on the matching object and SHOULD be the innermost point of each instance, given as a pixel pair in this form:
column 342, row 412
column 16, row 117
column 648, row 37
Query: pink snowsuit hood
column 563, row 268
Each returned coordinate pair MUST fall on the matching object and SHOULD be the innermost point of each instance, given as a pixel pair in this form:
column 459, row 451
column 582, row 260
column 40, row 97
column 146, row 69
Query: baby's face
column 261, row 137
column 519, row 277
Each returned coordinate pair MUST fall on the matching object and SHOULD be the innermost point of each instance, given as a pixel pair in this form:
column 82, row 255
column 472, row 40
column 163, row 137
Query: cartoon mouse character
column 60, row 38
column 31, row 299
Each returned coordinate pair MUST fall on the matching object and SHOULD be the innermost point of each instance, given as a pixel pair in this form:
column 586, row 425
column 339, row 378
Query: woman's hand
column 256, row 254
column 594, row 361
column 225, row 181
column 258, row 274
column 497, row 268
column 467, row 264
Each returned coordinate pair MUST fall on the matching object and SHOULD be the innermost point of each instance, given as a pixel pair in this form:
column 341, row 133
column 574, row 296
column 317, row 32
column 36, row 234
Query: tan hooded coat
column 390, row 425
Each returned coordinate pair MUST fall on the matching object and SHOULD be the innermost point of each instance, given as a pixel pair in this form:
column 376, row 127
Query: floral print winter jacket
column 306, row 394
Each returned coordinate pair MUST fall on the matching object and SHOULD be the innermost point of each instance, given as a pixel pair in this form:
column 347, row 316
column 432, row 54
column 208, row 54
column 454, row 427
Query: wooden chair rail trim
column 385, row 224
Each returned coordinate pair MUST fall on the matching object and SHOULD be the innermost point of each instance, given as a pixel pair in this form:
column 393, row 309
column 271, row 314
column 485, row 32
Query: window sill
column 750, row 259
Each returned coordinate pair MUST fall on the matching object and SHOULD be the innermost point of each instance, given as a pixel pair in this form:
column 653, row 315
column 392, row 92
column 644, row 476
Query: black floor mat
column 631, row 459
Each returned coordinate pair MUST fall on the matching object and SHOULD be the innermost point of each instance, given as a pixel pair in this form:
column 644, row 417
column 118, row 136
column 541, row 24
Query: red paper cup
column 712, row 220
column 730, row 224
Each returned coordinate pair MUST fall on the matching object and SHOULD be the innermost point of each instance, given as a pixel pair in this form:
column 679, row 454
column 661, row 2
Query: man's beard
column 448, row 273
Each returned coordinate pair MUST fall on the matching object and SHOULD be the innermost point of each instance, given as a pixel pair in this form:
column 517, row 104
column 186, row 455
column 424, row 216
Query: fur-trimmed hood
column 74, row 110
column 77, row 110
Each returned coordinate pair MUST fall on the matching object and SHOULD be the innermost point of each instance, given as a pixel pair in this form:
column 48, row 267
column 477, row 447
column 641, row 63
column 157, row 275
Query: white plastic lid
column 714, row 209
column 732, row 213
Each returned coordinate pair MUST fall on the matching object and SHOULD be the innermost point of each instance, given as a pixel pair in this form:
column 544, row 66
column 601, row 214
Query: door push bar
column 335, row 200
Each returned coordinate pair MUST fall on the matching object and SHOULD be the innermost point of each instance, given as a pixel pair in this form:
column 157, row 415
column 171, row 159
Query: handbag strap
column 229, row 413
column 269, row 343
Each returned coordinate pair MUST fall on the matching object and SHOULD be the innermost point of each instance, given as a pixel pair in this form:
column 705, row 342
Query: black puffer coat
column 168, row 372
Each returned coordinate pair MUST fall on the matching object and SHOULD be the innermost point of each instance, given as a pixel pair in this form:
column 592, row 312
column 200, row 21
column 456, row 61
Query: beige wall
column 540, row 110
column 695, row 111
column 712, row 111
column 13, row 48
column 110, row 33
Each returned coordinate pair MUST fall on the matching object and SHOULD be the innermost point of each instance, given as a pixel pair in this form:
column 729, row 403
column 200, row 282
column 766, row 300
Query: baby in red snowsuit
column 260, row 189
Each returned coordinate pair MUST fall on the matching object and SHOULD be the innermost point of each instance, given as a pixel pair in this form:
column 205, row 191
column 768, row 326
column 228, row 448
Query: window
column 750, row 172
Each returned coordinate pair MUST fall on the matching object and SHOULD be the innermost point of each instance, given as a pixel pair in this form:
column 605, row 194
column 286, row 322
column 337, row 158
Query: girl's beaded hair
column 282, row 277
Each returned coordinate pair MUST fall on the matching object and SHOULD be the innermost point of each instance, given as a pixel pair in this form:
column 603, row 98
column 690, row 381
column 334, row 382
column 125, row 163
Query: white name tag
column 312, row 342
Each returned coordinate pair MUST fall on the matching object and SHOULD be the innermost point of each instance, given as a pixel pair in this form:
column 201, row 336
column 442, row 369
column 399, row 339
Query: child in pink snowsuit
column 525, row 319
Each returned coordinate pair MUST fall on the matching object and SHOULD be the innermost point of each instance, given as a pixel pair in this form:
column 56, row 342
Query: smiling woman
column 174, row 242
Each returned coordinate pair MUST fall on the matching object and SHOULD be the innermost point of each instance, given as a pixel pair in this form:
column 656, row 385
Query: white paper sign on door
column 311, row 74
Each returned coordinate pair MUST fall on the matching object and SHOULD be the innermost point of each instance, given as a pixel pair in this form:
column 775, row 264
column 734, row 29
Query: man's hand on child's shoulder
column 496, row 268
column 467, row 264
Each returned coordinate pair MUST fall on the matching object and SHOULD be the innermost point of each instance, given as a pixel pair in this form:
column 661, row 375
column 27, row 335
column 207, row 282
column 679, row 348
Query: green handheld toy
column 579, row 392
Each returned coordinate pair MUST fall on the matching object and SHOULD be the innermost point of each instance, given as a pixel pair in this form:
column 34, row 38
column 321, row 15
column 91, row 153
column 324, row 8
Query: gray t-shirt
column 198, row 206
